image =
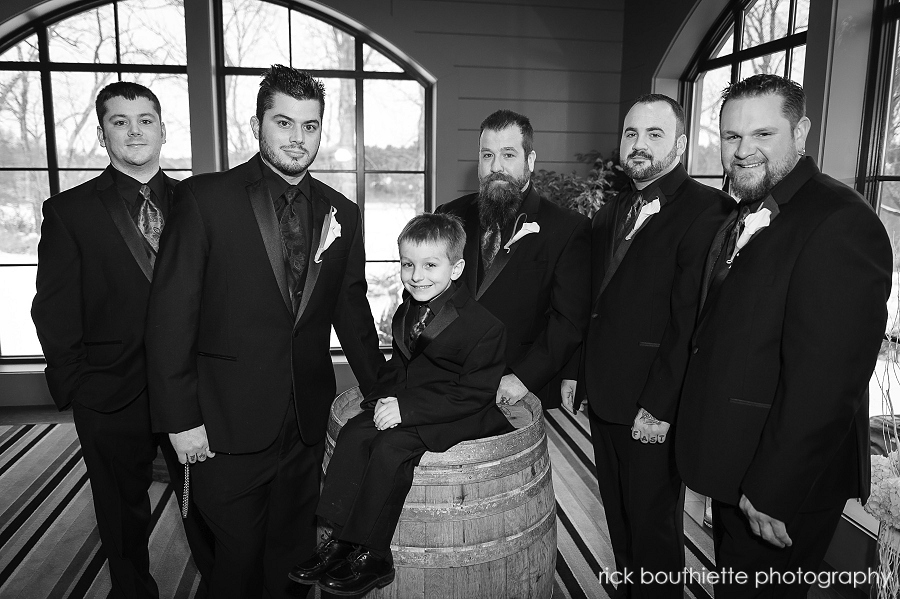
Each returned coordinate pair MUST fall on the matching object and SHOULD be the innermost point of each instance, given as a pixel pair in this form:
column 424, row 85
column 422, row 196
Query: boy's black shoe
column 358, row 574
column 327, row 555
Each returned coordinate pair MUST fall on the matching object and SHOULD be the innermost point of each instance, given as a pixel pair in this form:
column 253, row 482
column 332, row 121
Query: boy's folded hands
column 387, row 413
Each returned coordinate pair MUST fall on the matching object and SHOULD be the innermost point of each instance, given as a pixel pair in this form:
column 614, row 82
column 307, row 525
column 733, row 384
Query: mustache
column 640, row 154
column 499, row 177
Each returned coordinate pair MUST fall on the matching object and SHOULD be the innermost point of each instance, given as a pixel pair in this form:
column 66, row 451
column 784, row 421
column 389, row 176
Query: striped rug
column 49, row 546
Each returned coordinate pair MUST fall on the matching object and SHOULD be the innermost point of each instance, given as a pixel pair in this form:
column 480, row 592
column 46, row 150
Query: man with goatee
column 773, row 419
column 648, row 246
column 529, row 262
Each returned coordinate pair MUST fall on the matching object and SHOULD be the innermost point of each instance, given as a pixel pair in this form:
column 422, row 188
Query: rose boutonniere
column 647, row 210
column 753, row 224
column 331, row 230
column 527, row 229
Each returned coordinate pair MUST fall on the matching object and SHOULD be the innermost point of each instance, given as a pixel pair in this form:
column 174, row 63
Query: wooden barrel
column 480, row 519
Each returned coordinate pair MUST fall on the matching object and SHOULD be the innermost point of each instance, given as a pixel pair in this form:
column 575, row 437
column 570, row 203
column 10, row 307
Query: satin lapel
column 109, row 197
column 436, row 327
column 714, row 250
column 397, row 330
column 473, row 246
column 264, row 210
column 321, row 218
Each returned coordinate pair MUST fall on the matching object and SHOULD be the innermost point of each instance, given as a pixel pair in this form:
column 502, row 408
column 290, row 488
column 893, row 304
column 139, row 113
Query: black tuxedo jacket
column 93, row 283
column 645, row 298
column 447, row 388
column 774, row 403
column 223, row 345
column 539, row 289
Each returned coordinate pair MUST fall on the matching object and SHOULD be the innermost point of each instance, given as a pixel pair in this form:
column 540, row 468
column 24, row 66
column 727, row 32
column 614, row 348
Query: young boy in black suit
column 438, row 389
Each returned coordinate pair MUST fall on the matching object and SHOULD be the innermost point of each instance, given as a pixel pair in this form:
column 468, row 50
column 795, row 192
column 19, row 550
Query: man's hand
column 191, row 445
column 511, row 390
column 772, row 530
column 567, row 390
column 387, row 413
column 648, row 429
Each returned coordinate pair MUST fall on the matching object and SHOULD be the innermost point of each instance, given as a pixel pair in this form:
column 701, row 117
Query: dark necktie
column 719, row 258
column 418, row 326
column 150, row 220
column 490, row 247
column 630, row 218
column 296, row 245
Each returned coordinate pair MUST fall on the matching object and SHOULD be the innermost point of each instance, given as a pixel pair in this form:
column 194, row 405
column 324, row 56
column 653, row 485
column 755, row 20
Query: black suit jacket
column 539, row 289
column 447, row 387
column 93, row 283
column 774, row 404
column 645, row 298
column 223, row 345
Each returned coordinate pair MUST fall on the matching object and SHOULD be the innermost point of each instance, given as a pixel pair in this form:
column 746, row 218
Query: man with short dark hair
column 773, row 419
column 528, row 262
column 256, row 265
column 649, row 245
column 95, row 263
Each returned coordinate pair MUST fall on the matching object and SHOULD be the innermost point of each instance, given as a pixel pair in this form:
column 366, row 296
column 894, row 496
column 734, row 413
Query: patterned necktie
column 490, row 246
column 727, row 242
column 295, row 243
column 150, row 221
column 630, row 218
column 418, row 326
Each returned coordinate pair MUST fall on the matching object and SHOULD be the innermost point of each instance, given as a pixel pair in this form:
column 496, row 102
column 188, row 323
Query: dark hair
column 295, row 83
column 128, row 90
column 793, row 98
column 502, row 119
column 675, row 106
column 434, row 228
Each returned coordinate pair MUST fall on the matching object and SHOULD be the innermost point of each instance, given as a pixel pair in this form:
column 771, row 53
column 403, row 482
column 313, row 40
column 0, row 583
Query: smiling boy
column 437, row 390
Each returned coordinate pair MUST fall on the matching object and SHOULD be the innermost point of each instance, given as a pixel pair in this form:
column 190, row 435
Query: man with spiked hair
column 256, row 265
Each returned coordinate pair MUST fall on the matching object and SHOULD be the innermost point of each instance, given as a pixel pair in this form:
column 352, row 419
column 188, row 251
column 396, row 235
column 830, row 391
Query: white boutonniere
column 647, row 210
column 331, row 230
column 753, row 224
column 527, row 229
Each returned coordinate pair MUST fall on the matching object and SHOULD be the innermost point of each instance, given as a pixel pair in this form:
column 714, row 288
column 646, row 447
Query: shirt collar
column 277, row 185
column 668, row 184
column 803, row 171
column 129, row 187
column 436, row 304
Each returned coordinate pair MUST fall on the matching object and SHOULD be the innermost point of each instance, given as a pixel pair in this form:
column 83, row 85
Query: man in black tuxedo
column 528, row 262
column 773, row 419
column 648, row 248
column 95, row 264
column 255, row 266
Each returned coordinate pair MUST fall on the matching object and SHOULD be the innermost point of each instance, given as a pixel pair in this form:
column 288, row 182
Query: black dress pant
column 643, row 498
column 119, row 449
column 770, row 571
column 261, row 509
column 368, row 479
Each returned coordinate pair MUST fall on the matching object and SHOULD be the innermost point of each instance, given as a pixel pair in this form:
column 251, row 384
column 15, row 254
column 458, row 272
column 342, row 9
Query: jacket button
column 696, row 349
column 594, row 315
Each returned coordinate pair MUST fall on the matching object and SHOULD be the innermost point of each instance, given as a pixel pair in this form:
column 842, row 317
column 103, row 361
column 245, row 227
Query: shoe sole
column 302, row 580
column 378, row 582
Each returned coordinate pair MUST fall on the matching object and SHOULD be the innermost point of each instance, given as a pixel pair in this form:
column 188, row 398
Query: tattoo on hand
column 647, row 417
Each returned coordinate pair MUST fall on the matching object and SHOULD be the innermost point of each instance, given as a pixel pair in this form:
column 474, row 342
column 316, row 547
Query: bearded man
column 773, row 419
column 529, row 263
column 648, row 246
column 255, row 266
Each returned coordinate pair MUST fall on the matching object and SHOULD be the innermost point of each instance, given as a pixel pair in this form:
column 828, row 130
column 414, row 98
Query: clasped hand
column 648, row 429
column 191, row 445
column 387, row 413
column 511, row 390
column 772, row 530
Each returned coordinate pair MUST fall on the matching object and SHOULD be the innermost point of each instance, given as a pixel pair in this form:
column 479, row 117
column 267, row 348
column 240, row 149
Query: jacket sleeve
column 391, row 377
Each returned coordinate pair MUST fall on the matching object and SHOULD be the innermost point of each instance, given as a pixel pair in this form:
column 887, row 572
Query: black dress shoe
column 327, row 555
column 358, row 574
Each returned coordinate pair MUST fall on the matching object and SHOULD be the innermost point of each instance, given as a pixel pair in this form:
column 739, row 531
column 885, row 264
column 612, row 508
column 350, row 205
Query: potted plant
column 584, row 194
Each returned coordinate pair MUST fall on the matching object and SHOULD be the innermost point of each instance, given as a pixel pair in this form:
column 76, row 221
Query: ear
column 457, row 270
column 100, row 136
column 531, row 158
column 254, row 125
column 680, row 145
column 162, row 126
column 800, row 133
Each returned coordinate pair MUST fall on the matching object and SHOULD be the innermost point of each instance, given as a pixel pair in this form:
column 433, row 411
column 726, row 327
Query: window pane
column 240, row 106
column 771, row 64
column 395, row 125
column 17, row 335
column 69, row 179
column 22, row 141
column 89, row 36
column 318, row 45
column 704, row 147
column 152, row 32
column 337, row 150
column 727, row 46
column 891, row 164
column 172, row 91
column 801, row 19
column 373, row 60
column 764, row 21
column 26, row 50
column 391, row 200
column 21, row 196
column 798, row 64
column 343, row 182
column 884, row 378
column 256, row 33
column 76, row 120
column 384, row 295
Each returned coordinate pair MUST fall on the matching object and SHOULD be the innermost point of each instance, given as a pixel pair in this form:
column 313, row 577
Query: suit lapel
column 109, row 197
column 397, row 329
column 436, row 327
column 264, row 210
column 321, row 212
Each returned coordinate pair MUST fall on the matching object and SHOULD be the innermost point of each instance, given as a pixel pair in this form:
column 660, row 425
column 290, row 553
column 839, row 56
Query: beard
column 645, row 173
column 749, row 189
column 286, row 165
column 498, row 204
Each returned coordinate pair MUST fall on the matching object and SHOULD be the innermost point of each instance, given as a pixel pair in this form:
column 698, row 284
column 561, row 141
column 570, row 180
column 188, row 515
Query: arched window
column 751, row 37
column 374, row 147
